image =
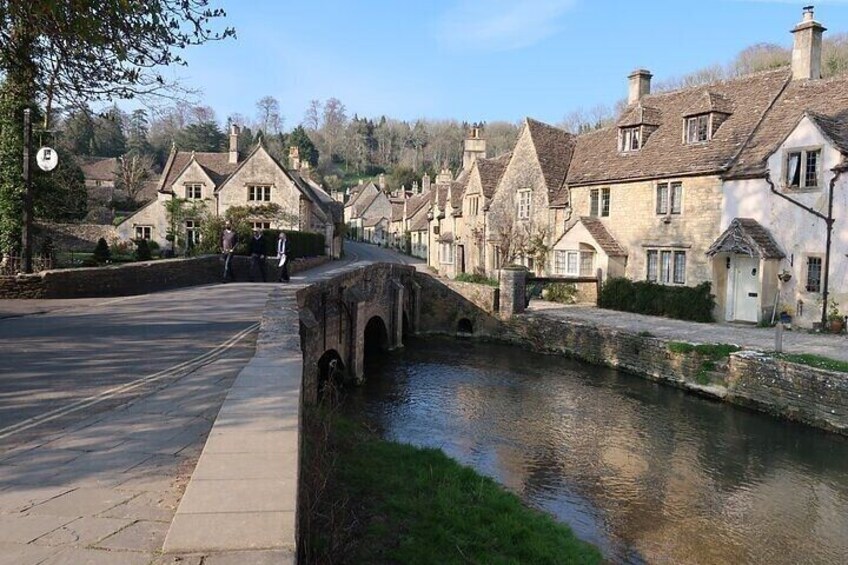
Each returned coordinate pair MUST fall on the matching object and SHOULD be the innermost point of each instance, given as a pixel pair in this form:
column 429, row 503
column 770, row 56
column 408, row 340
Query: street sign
column 47, row 159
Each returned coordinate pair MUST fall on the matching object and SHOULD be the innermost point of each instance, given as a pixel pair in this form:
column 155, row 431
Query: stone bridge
column 340, row 319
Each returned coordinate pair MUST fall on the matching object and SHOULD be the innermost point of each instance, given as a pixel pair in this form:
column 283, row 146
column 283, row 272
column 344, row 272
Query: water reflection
column 648, row 473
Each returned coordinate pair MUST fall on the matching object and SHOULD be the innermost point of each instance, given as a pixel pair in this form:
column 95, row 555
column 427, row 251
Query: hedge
column 301, row 243
column 691, row 303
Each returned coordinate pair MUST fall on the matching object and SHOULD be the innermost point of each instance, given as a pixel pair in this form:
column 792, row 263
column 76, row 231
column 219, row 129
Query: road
column 64, row 360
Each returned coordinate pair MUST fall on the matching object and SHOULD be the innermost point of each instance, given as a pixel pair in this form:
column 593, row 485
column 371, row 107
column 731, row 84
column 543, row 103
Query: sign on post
column 47, row 159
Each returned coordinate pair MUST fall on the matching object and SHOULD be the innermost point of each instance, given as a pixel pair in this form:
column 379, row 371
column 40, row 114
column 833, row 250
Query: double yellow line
column 185, row 367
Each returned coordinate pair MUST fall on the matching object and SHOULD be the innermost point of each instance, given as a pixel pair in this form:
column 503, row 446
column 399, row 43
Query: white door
column 746, row 279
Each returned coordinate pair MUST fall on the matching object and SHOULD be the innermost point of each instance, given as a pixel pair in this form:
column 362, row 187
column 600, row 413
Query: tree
column 137, row 128
column 134, row 170
column 335, row 120
column 109, row 139
column 203, row 136
column 306, row 149
column 61, row 196
column 101, row 251
column 268, row 109
column 312, row 118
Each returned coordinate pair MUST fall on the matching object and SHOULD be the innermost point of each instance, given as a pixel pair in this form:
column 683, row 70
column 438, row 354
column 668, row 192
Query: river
column 648, row 473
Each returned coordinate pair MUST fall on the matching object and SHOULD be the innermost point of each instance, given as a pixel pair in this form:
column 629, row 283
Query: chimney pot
column 234, row 136
column 807, row 46
column 639, row 85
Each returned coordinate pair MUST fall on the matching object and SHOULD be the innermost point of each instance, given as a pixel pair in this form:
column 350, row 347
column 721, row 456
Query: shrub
column 692, row 303
column 101, row 252
column 301, row 243
column 476, row 279
column 564, row 293
column 142, row 250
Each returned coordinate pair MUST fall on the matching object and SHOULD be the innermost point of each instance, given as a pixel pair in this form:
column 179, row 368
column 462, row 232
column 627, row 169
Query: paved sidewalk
column 761, row 339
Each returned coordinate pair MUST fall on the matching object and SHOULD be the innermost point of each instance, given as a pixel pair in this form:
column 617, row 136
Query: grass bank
column 367, row 500
column 813, row 360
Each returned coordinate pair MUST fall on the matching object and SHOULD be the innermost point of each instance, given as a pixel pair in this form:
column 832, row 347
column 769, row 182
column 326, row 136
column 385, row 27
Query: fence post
column 599, row 278
column 513, row 290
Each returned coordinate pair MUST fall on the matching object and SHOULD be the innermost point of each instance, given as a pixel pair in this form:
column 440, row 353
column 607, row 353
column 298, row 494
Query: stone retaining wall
column 133, row 278
column 445, row 302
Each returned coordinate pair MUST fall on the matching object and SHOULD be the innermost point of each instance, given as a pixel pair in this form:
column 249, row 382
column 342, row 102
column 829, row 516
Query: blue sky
column 473, row 59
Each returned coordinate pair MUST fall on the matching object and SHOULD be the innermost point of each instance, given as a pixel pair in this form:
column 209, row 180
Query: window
column 669, row 198
column 802, row 168
column 473, row 206
column 446, row 253
column 666, row 266
column 259, row 193
column 192, row 228
column 631, row 138
column 599, row 202
column 574, row 263
column 143, row 232
column 814, row 274
column 524, row 204
column 698, row 128
column 193, row 191
column 260, row 225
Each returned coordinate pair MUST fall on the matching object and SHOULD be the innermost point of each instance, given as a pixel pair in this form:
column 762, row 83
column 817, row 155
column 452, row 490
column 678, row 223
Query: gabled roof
column 747, row 236
column 363, row 203
column 415, row 203
column 100, row 168
column 421, row 223
column 491, row 171
column 397, row 211
column 603, row 237
column 597, row 158
column 711, row 102
column 216, row 165
column 825, row 100
column 639, row 114
column 371, row 222
column 554, row 149
column 458, row 188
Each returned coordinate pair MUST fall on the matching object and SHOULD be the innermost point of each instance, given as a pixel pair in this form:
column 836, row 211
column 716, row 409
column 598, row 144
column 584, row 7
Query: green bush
column 692, row 303
column 476, row 279
column 301, row 243
column 564, row 293
column 142, row 250
column 101, row 252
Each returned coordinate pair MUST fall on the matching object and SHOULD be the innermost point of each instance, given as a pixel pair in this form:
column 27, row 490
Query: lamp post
column 27, row 175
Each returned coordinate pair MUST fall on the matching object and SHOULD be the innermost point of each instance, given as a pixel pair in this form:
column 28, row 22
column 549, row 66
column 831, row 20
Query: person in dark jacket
column 256, row 248
column 284, row 256
column 229, row 239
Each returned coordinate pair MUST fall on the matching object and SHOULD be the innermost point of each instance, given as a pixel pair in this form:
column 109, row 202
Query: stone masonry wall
column 133, row 278
column 444, row 303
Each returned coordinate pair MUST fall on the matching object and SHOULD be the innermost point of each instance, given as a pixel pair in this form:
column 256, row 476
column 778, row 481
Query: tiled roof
column 711, row 102
column 446, row 237
column 491, row 171
column 825, row 100
column 458, row 188
column 397, row 211
column 100, row 168
column 363, row 203
column 747, row 236
column 600, row 234
column 421, row 223
column 416, row 202
column 371, row 222
column 216, row 165
column 554, row 149
column 596, row 157
column 639, row 114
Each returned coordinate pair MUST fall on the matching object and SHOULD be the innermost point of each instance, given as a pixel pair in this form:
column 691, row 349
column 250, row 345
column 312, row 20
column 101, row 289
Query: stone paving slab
column 223, row 531
column 81, row 556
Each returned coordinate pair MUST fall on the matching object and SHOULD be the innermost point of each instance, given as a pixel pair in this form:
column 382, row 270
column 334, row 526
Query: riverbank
column 368, row 500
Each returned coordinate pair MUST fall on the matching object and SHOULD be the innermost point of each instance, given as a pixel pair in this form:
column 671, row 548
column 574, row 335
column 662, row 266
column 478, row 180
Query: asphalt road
column 75, row 358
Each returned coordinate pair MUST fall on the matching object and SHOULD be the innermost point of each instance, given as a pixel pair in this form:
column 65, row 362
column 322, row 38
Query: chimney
column 474, row 146
column 294, row 158
column 415, row 186
column 639, row 85
column 806, row 51
column 425, row 183
column 381, row 182
column 444, row 177
column 234, row 135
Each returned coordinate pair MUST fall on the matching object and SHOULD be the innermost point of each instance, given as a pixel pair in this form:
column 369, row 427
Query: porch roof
column 748, row 237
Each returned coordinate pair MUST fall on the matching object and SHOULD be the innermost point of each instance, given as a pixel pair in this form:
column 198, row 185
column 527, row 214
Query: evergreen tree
column 307, row 150
column 203, row 136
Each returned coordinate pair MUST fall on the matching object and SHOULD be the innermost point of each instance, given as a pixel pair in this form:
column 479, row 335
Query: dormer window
column 631, row 138
column 698, row 129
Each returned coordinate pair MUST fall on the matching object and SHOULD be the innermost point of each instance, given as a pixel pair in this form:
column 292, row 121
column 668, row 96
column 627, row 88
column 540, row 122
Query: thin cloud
column 500, row 25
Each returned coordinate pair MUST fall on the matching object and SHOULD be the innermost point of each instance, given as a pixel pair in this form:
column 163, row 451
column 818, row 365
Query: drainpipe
column 828, row 219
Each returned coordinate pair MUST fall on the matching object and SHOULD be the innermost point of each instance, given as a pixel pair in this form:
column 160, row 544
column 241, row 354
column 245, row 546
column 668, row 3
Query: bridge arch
column 376, row 335
column 465, row 326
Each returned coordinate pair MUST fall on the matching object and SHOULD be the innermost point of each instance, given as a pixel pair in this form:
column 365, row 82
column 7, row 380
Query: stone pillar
column 513, row 290
column 357, row 353
column 415, row 322
column 397, row 321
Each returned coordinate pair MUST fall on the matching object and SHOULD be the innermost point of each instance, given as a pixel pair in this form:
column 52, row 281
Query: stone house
column 209, row 184
column 445, row 217
column 482, row 182
column 101, row 176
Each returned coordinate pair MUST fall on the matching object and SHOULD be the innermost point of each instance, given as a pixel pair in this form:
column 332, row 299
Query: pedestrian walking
column 283, row 254
column 229, row 239
column 257, row 255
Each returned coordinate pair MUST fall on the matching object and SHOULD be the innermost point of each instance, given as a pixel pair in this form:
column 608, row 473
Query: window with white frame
column 669, row 198
column 599, row 202
column 194, row 191
column 814, row 274
column 698, row 128
column 144, row 232
column 192, row 228
column 803, row 168
column 631, row 138
column 446, row 253
column 574, row 263
column 666, row 266
column 259, row 193
column 524, row 203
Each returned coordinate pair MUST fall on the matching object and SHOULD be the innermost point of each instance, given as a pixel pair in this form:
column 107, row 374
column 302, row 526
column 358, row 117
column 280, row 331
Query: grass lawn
column 375, row 501
column 815, row 361
column 714, row 351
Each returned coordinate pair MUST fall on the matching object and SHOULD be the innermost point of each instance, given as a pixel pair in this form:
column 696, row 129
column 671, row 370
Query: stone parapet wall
column 134, row 278
column 444, row 303
column 76, row 237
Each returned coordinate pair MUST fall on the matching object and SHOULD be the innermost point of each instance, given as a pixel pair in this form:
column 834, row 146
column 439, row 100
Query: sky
column 473, row 60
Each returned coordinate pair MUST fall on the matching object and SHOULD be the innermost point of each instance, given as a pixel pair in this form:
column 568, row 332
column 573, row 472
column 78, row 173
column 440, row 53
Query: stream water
column 648, row 473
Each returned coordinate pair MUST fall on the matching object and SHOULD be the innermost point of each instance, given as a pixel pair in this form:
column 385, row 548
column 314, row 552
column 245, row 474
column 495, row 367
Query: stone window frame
column 446, row 253
column 665, row 273
column 473, row 205
column 259, row 192
column 670, row 201
column 145, row 230
column 194, row 191
column 803, row 163
column 688, row 121
column 525, row 203
column 600, row 200
column 810, row 260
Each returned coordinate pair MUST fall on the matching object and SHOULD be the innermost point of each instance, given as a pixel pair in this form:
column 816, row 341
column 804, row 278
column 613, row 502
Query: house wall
column 154, row 215
column 799, row 233
column 472, row 226
column 634, row 223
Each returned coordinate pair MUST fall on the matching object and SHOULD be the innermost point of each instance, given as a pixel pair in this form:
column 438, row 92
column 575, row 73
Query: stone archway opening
column 376, row 336
column 407, row 329
column 331, row 376
column 465, row 327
